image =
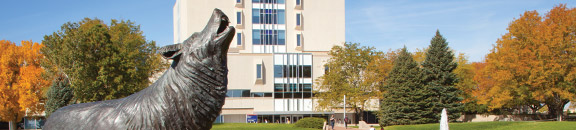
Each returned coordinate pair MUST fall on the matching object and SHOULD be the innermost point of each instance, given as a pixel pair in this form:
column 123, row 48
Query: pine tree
column 439, row 80
column 402, row 103
column 59, row 95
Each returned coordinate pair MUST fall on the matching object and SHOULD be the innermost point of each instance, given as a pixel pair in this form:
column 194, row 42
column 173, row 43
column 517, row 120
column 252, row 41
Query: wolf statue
column 189, row 96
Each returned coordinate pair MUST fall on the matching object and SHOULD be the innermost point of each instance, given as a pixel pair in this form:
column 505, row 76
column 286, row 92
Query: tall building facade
column 279, row 51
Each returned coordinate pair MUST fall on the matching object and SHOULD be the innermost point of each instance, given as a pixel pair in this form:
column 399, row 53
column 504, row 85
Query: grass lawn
column 259, row 126
column 552, row 125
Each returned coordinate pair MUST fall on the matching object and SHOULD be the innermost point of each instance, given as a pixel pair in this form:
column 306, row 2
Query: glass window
column 239, row 39
column 259, row 71
column 238, row 93
column 278, row 87
column 281, row 37
column 281, row 16
column 298, row 19
column 261, row 94
column 238, row 1
column 281, row 1
column 255, row 1
column 298, row 39
column 255, row 16
column 307, row 71
column 298, row 2
column 256, row 37
column 238, row 17
column 245, row 93
column 278, row 71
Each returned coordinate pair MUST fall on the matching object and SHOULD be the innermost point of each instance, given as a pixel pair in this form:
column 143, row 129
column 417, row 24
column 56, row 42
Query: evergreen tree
column 59, row 95
column 402, row 103
column 439, row 80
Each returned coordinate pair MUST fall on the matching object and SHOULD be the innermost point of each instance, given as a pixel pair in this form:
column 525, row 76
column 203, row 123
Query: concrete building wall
column 323, row 24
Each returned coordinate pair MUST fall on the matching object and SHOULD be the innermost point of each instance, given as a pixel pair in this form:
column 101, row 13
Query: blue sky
column 470, row 26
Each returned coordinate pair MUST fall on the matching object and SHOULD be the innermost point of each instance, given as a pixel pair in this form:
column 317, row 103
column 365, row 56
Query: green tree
column 60, row 94
column 402, row 97
column 350, row 73
column 102, row 62
column 440, row 81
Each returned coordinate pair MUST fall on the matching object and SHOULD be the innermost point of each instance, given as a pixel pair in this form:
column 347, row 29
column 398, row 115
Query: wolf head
column 209, row 46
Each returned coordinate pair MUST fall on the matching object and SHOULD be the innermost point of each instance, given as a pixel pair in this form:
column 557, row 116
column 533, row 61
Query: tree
column 402, row 101
column 101, row 62
column 439, row 80
column 534, row 63
column 465, row 73
column 21, row 81
column 59, row 95
column 351, row 73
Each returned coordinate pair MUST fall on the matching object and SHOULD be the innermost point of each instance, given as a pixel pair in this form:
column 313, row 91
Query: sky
column 470, row 26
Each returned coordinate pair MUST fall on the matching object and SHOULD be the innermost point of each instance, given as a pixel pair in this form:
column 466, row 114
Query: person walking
column 332, row 121
column 346, row 122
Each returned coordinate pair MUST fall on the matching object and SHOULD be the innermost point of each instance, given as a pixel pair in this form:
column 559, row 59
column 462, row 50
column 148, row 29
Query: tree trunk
column 360, row 113
column 556, row 107
column 12, row 125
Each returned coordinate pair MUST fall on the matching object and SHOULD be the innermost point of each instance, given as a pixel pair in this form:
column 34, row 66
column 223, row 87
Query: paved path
column 342, row 128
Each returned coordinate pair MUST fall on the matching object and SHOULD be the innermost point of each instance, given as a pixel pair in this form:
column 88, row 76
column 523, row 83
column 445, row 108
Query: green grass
column 493, row 126
column 528, row 125
column 259, row 126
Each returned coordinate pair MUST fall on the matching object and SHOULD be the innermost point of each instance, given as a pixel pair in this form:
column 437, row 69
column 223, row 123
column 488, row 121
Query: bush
column 310, row 122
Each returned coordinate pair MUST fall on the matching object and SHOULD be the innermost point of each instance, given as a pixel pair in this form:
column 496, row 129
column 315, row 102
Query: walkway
column 342, row 128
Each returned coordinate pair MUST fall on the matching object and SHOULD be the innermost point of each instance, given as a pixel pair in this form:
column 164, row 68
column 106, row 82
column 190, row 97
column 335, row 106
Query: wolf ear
column 171, row 51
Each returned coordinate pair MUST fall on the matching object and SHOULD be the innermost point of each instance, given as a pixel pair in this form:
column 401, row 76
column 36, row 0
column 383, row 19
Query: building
column 279, row 50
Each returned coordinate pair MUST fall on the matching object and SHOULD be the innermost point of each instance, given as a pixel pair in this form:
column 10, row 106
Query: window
column 268, row 16
column 238, row 1
column 269, row 1
column 255, row 16
column 298, row 19
column 298, row 39
column 281, row 16
column 259, row 71
column 239, row 39
column 292, row 71
column 238, row 93
column 238, row 17
column 298, row 2
column 268, row 37
column 257, row 94
column 256, row 37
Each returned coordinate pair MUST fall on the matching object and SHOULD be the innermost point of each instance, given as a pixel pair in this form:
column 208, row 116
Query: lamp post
column 344, row 116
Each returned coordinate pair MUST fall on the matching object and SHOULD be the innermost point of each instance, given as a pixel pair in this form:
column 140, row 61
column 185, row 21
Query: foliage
column 439, row 80
column 59, row 95
column 402, row 101
column 465, row 73
column 101, row 61
column 256, row 126
column 310, row 122
column 21, row 81
column 351, row 73
column 534, row 63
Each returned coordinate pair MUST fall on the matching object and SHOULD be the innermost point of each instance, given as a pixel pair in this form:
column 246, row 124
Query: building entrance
column 291, row 118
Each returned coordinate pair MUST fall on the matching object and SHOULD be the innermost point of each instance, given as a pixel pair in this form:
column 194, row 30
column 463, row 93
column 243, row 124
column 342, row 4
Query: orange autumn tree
column 534, row 63
column 21, row 81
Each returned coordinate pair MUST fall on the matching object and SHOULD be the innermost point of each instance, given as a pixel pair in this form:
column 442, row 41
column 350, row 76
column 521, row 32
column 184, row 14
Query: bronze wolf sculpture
column 189, row 95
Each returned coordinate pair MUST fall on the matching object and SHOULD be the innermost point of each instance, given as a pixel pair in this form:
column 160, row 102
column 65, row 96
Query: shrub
column 310, row 122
